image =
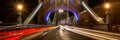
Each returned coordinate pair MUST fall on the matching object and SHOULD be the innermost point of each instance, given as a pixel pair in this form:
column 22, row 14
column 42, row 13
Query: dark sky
column 6, row 6
column 93, row 3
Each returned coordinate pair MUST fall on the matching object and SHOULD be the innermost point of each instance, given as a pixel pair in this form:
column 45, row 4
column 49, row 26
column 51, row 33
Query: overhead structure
column 92, row 13
column 32, row 15
column 83, row 3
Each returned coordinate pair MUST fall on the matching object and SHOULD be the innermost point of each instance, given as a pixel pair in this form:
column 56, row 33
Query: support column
column 54, row 19
column 49, row 21
column 74, row 21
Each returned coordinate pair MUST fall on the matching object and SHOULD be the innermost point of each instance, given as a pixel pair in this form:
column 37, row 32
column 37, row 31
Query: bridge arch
column 51, row 11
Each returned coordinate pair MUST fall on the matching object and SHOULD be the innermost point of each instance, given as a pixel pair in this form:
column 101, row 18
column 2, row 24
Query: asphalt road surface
column 59, row 34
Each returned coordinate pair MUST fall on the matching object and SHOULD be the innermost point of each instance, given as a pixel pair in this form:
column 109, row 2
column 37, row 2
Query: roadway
column 16, row 32
column 59, row 34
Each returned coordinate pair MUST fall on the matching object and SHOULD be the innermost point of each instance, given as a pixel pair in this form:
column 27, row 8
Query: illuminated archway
column 49, row 13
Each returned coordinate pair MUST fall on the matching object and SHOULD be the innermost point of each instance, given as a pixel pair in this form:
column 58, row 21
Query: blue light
column 75, row 14
column 47, row 17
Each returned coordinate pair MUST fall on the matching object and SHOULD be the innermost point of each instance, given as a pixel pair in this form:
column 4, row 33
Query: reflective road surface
column 59, row 34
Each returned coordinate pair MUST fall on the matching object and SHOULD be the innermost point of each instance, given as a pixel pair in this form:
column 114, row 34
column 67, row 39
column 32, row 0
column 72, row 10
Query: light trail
column 16, row 34
column 99, row 35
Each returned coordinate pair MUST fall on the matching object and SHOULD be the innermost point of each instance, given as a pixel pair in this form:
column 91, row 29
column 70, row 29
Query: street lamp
column 107, row 6
column 19, row 7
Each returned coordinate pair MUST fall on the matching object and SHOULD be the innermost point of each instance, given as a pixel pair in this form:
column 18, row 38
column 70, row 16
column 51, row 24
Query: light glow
column 75, row 14
column 20, row 6
column 107, row 5
column 60, row 10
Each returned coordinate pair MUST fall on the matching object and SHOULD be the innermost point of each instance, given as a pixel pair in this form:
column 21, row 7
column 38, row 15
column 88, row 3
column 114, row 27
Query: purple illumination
column 47, row 16
column 75, row 14
column 62, row 8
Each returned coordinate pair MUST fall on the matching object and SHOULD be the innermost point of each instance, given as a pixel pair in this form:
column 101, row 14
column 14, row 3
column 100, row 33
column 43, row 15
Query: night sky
column 7, row 6
column 93, row 3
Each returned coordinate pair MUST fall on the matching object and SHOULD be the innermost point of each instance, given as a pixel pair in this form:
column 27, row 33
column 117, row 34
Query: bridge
column 62, row 20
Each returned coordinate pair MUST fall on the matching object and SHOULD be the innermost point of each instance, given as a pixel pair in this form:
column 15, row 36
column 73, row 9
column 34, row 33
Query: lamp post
column 107, row 6
column 19, row 7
